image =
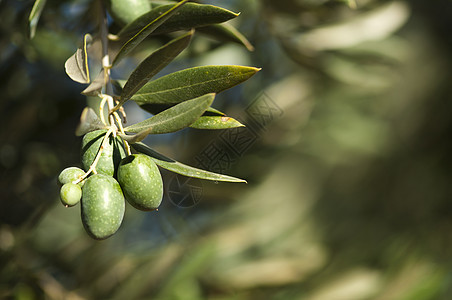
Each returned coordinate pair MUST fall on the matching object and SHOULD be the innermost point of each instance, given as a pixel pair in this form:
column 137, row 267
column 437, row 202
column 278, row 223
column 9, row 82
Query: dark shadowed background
column 346, row 152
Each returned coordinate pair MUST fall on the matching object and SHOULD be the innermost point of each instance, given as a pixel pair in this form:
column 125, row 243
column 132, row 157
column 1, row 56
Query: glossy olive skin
column 70, row 174
column 70, row 194
column 111, row 155
column 102, row 206
column 125, row 11
column 141, row 182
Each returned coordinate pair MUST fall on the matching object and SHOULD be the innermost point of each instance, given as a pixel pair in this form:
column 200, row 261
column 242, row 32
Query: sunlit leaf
column 153, row 64
column 191, row 83
column 216, row 122
column 89, row 121
column 34, row 16
column 175, row 118
column 77, row 65
column 146, row 30
column 180, row 168
column 227, row 33
column 191, row 15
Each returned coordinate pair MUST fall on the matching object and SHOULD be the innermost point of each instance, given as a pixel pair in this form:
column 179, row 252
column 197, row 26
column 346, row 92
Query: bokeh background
column 346, row 153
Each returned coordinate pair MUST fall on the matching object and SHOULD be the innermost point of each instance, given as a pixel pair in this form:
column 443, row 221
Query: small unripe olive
column 70, row 194
column 70, row 174
column 111, row 155
column 102, row 206
column 141, row 182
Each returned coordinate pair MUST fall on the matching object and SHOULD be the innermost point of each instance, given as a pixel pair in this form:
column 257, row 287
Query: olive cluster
column 109, row 177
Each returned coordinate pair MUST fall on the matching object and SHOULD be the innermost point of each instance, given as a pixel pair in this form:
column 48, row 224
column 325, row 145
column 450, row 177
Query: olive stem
column 92, row 168
column 123, row 113
column 106, row 58
column 101, row 108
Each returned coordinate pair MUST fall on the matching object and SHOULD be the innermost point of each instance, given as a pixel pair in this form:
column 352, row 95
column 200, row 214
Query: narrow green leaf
column 147, row 30
column 216, row 122
column 175, row 118
column 153, row 64
column 191, row 83
column 191, row 15
column 125, row 11
column 131, row 139
column 34, row 16
column 227, row 33
column 180, row 168
column 157, row 108
column 76, row 66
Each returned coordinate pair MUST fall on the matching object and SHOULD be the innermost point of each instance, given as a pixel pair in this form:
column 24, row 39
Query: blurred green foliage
column 349, row 193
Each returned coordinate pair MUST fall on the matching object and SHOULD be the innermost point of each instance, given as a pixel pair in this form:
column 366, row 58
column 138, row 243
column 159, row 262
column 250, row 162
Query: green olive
column 111, row 154
column 103, row 206
column 125, row 11
column 70, row 174
column 141, row 182
column 70, row 194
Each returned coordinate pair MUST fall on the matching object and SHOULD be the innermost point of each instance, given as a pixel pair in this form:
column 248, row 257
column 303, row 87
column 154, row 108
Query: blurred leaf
column 216, row 122
column 77, row 65
column 126, row 11
column 180, row 168
column 89, row 121
column 191, row 15
column 35, row 14
column 191, row 83
column 352, row 4
column 356, row 29
column 227, row 33
column 146, row 30
column 157, row 108
column 153, row 64
column 176, row 117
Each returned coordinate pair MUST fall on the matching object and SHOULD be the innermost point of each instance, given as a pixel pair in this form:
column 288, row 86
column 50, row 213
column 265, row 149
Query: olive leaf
column 76, row 66
column 153, row 64
column 34, row 16
column 89, row 121
column 210, row 119
column 131, row 139
column 157, row 108
column 96, row 85
column 215, row 111
column 175, row 118
column 146, row 30
column 180, row 168
column 227, row 33
column 191, row 15
column 216, row 122
column 191, row 83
